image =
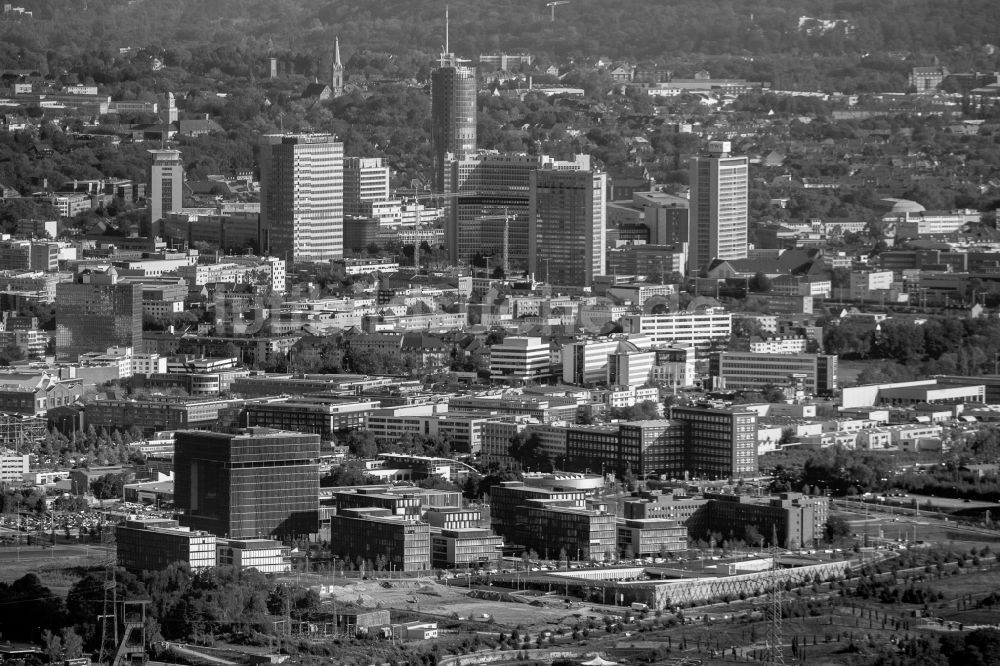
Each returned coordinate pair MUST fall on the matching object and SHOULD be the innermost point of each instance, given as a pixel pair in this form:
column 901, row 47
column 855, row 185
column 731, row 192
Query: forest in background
column 635, row 29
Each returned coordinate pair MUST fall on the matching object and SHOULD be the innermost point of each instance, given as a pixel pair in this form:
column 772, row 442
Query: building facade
column 718, row 208
column 376, row 538
column 566, row 532
column 254, row 483
column 465, row 548
column 95, row 312
column 720, row 442
column 566, row 226
column 699, row 329
column 520, row 359
column 650, row 537
column 166, row 183
column 488, row 214
column 153, row 545
column 302, row 196
column 815, row 374
column 453, row 112
column 365, row 179
column 264, row 555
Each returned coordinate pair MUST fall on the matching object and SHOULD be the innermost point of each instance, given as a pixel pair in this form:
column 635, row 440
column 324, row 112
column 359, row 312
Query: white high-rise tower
column 302, row 196
column 718, row 211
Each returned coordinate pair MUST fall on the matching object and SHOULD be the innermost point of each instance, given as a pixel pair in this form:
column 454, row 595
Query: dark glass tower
column 254, row 483
column 453, row 110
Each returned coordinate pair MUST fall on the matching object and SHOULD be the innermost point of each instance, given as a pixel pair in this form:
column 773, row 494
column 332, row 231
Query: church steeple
column 338, row 70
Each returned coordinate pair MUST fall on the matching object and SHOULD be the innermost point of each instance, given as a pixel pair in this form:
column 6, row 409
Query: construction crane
column 553, row 5
column 418, row 234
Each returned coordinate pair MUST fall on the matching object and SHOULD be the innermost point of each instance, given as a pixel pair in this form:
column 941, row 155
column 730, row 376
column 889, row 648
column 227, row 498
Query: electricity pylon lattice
column 108, row 617
column 775, row 654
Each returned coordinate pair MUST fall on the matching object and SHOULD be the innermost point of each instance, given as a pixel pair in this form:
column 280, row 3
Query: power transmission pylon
column 109, row 615
column 775, row 636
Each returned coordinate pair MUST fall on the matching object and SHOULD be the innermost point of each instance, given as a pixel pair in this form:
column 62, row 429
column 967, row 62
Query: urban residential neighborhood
column 420, row 333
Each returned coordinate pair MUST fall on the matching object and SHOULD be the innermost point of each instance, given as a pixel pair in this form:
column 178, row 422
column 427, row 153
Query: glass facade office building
column 566, row 227
column 258, row 483
column 453, row 113
column 96, row 313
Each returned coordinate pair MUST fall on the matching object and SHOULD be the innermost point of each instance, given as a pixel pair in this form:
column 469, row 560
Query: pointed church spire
column 338, row 70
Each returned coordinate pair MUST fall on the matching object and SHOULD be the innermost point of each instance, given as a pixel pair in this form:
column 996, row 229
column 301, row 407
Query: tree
column 641, row 411
column 836, row 529
column 760, row 283
column 29, row 606
column 10, row 354
column 344, row 475
column 362, row 443
column 72, row 643
column 529, row 452
column 772, row 393
column 53, row 646
column 753, row 536
column 109, row 486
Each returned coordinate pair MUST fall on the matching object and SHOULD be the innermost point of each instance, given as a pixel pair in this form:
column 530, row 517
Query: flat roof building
column 720, row 442
column 95, row 312
column 649, row 537
column 302, row 196
column 566, row 227
column 378, row 539
column 255, row 483
column 816, row 374
column 264, row 555
column 465, row 547
column 718, row 206
column 153, row 545
column 520, row 359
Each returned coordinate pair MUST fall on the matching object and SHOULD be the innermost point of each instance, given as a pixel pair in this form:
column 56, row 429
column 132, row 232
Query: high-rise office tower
column 566, row 226
column 337, row 80
column 253, row 483
column 95, row 312
column 718, row 209
column 302, row 196
column 453, row 110
column 365, row 179
column 166, row 183
column 490, row 211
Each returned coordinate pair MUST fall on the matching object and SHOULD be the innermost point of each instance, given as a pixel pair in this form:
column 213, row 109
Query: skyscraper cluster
column 539, row 214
